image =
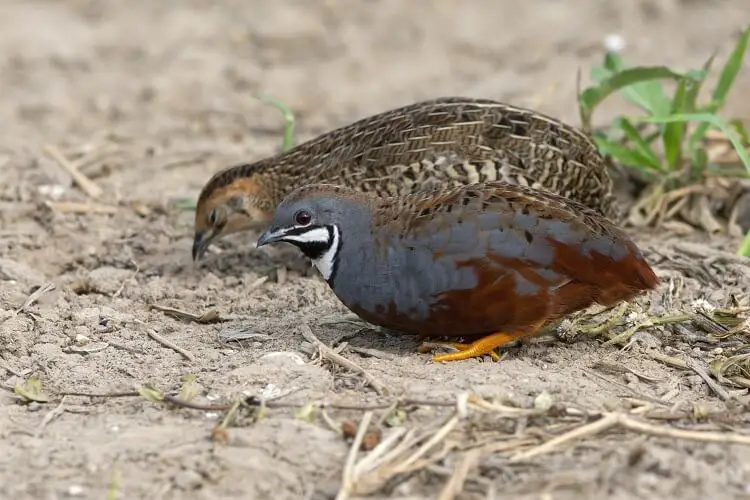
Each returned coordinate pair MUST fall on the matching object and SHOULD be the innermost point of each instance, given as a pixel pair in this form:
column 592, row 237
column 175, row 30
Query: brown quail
column 446, row 142
column 493, row 260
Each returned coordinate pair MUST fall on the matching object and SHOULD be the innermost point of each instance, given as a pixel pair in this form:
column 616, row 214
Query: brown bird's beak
column 201, row 242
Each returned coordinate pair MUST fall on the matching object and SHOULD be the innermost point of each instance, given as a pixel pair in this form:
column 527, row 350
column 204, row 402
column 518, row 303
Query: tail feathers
column 597, row 278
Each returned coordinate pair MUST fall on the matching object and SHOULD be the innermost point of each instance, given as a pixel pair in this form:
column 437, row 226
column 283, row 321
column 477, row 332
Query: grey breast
column 383, row 269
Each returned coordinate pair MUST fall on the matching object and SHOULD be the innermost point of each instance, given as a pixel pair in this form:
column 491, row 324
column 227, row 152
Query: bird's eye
column 302, row 218
column 213, row 217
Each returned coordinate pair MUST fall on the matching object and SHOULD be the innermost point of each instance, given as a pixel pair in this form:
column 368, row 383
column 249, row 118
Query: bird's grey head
column 311, row 218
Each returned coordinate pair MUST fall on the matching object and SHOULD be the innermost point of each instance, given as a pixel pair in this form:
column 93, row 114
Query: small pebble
column 75, row 490
column 292, row 356
column 543, row 401
column 188, row 480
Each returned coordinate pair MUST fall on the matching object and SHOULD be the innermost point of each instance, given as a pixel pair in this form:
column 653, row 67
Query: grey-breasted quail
column 494, row 260
column 445, row 142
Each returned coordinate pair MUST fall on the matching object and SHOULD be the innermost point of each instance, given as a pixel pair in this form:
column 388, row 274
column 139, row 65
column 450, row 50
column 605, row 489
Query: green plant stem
column 289, row 121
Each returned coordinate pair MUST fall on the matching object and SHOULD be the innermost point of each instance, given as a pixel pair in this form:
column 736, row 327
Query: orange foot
column 480, row 347
column 427, row 347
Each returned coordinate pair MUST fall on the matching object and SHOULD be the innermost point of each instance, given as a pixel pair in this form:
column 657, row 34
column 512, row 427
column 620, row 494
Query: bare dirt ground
column 152, row 98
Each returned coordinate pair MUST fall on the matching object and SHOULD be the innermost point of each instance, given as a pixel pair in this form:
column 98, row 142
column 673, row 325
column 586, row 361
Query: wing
column 503, row 256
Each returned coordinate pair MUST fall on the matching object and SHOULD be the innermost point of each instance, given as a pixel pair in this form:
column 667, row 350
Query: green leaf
column 624, row 154
column 613, row 62
column 149, row 393
column 643, row 149
column 184, row 204
column 712, row 120
column 647, row 95
column 649, row 98
column 189, row 389
column 600, row 73
column 31, row 390
column 306, row 412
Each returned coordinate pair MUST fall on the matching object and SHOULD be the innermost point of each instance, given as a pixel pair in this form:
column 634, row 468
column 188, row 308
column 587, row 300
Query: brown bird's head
column 233, row 200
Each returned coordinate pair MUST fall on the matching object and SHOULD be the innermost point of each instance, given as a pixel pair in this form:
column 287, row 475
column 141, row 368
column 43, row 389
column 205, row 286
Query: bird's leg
column 484, row 345
column 459, row 346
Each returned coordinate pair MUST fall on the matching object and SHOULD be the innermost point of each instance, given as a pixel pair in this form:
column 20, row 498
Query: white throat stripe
column 327, row 262
column 317, row 235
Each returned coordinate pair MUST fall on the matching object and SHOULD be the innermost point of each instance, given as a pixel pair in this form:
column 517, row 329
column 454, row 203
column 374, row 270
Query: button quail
column 492, row 260
column 445, row 142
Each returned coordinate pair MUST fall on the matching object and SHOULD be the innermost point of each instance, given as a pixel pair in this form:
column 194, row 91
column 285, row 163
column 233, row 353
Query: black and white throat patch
column 321, row 244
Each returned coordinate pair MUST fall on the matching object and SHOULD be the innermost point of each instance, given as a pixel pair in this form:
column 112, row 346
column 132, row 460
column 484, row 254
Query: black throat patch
column 316, row 250
column 313, row 249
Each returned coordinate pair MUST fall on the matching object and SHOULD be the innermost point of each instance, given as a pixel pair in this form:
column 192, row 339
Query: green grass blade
column 726, row 79
column 730, row 70
column 647, row 95
column 593, row 96
column 694, row 89
column 625, row 155
column 700, row 131
column 712, row 120
column 675, row 131
column 698, row 162
column 289, row 121
column 741, row 130
column 613, row 62
column 648, row 156
column 744, row 249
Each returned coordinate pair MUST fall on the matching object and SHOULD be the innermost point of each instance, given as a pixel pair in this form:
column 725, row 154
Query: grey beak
column 201, row 241
column 271, row 235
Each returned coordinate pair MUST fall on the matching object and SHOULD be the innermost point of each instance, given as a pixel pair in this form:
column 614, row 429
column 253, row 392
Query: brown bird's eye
column 302, row 218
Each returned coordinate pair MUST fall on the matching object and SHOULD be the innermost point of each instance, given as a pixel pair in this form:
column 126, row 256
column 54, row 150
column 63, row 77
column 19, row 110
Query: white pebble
column 75, row 490
column 53, row 191
column 293, row 356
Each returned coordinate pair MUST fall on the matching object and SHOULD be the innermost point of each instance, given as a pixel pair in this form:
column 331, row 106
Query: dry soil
column 153, row 97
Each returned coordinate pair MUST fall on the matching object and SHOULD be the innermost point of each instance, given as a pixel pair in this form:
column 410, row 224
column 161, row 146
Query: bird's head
column 227, row 206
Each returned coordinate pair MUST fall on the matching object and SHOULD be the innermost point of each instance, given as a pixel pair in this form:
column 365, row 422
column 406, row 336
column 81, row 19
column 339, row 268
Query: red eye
column 302, row 218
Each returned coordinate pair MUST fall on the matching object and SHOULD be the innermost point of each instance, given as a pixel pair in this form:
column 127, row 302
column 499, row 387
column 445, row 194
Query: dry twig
column 71, row 207
column 455, row 484
column 627, row 422
column 330, row 354
column 168, row 343
column 210, row 316
column 50, row 416
column 86, row 184
column 714, row 386
column 348, row 481
column 47, row 287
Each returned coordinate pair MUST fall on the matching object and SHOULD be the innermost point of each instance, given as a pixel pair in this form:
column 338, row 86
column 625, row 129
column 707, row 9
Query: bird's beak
column 201, row 242
column 271, row 235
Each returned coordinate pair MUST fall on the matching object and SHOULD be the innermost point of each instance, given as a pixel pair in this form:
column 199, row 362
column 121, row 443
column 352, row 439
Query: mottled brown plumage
column 446, row 142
